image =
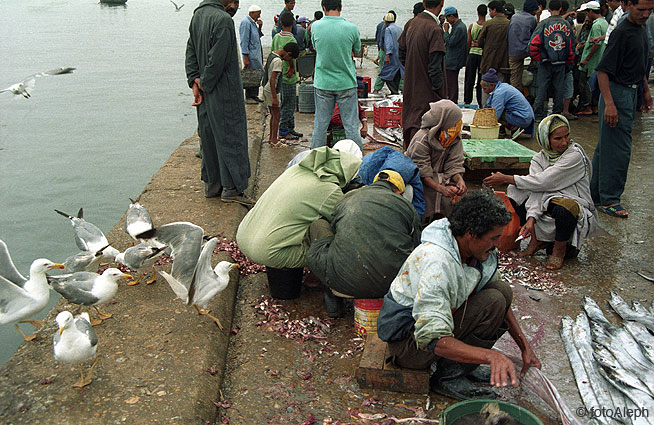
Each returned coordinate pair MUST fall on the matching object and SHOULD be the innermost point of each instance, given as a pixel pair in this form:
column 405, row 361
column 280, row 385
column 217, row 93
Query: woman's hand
column 449, row 191
column 461, row 186
column 528, row 229
column 497, row 179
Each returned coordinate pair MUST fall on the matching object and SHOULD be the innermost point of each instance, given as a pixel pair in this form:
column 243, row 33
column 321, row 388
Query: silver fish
column 621, row 307
column 634, row 398
column 594, row 312
column 644, row 276
column 616, row 372
column 643, row 337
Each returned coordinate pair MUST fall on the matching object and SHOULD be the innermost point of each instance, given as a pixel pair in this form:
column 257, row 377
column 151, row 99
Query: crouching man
column 447, row 306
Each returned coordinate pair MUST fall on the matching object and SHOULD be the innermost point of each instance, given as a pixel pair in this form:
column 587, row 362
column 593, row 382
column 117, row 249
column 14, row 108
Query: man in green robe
column 214, row 75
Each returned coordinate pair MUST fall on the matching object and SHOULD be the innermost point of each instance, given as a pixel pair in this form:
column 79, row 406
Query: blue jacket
column 508, row 100
column 379, row 35
column 391, row 47
column 387, row 158
column 251, row 42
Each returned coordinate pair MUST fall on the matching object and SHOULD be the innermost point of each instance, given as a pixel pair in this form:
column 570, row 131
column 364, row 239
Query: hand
column 501, row 366
column 529, row 359
column 647, row 100
column 246, row 61
column 583, row 62
column 388, row 59
column 611, row 115
column 290, row 72
column 197, row 93
column 446, row 26
column 376, row 61
column 528, row 228
column 364, row 130
column 461, row 187
column 260, row 23
column 495, row 179
column 449, row 191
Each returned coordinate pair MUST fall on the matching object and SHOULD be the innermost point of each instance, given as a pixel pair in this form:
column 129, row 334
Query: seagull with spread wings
column 177, row 8
column 88, row 237
column 24, row 87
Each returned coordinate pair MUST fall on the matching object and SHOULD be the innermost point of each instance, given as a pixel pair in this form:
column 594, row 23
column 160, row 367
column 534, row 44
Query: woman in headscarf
column 553, row 201
column 438, row 152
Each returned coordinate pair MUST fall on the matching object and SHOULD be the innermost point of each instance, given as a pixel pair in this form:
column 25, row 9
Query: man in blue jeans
column 334, row 78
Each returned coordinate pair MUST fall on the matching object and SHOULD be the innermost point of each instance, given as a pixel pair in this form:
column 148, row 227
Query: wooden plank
column 373, row 354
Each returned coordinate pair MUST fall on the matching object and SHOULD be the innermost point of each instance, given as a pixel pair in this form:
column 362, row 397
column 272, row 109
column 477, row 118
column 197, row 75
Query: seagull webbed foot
column 35, row 323
column 154, row 277
column 203, row 312
column 135, row 282
column 25, row 337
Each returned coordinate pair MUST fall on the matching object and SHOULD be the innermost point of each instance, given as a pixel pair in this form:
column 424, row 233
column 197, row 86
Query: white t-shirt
column 274, row 66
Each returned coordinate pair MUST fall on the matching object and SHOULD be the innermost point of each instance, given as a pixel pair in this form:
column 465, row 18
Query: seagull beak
column 57, row 266
column 60, row 331
column 127, row 276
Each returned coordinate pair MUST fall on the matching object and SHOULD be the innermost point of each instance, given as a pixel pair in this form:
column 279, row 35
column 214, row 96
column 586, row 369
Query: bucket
column 306, row 102
column 366, row 312
column 507, row 239
column 484, row 131
column 471, row 407
column 284, row 284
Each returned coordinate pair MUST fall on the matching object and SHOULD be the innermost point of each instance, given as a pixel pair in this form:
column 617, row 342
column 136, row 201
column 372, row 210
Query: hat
column 418, row 7
column 591, row 5
column 530, row 6
column 450, row 10
column 490, row 76
column 302, row 19
column 509, row 9
column 349, row 146
column 393, row 177
column 389, row 17
column 254, row 8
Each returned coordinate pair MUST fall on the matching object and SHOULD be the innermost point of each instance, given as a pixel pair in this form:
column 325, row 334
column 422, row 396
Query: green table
column 493, row 154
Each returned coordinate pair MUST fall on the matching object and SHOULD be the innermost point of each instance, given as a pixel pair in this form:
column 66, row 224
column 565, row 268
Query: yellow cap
column 393, row 177
column 389, row 17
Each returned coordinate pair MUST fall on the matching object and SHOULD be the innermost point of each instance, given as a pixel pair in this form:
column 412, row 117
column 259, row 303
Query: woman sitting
column 553, row 201
column 438, row 152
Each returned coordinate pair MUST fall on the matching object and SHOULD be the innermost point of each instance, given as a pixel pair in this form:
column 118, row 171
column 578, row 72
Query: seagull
column 21, row 88
column 21, row 298
column 199, row 286
column 141, row 257
column 75, row 342
column 177, row 8
column 88, row 237
column 84, row 261
column 88, row 288
column 138, row 223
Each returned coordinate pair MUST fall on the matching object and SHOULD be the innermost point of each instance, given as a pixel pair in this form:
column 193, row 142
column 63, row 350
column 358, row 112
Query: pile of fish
column 517, row 269
column 392, row 134
column 613, row 365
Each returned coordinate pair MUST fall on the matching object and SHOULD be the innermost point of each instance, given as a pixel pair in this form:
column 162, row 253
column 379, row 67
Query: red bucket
column 507, row 239
column 366, row 312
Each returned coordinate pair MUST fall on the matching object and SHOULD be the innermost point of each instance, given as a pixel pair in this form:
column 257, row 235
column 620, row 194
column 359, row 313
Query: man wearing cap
column 593, row 48
column 447, row 305
column 620, row 71
column 493, row 40
column 552, row 46
column 372, row 232
column 422, row 51
column 250, row 33
column 381, row 55
column 521, row 27
column 393, row 71
column 214, row 75
column 456, row 50
column 513, row 110
column 302, row 23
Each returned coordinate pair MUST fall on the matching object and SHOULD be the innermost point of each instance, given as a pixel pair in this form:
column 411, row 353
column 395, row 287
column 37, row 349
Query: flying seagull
column 141, row 257
column 84, row 261
column 177, row 8
column 88, row 237
column 24, row 87
column 75, row 342
column 21, row 298
column 88, row 288
column 198, row 286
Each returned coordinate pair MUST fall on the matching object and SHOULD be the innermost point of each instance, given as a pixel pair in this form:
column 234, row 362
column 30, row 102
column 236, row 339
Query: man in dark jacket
column 552, row 46
column 213, row 73
column 456, row 50
column 374, row 229
column 521, row 27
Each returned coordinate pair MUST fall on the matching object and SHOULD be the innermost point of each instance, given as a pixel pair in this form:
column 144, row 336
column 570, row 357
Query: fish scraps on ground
column 516, row 269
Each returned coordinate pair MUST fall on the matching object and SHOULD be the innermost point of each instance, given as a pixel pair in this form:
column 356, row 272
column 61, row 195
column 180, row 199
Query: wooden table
column 496, row 154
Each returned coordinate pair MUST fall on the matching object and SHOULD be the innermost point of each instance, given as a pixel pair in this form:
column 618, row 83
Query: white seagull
column 138, row 223
column 88, row 237
column 88, row 288
column 21, row 88
column 141, row 257
column 75, row 342
column 84, row 261
column 177, row 8
column 199, row 286
column 21, row 298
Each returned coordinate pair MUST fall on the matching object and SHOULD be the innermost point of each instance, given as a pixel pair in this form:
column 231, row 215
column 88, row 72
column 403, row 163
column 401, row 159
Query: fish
column 594, row 312
column 617, row 373
column 492, row 415
column 643, row 337
column 582, row 341
column 620, row 306
column 576, row 363
column 644, row 276
column 634, row 398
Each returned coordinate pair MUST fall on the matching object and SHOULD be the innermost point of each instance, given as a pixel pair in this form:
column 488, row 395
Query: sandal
column 613, row 210
column 554, row 263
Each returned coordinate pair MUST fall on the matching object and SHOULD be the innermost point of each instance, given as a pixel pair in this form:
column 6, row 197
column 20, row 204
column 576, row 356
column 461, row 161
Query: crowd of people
column 403, row 225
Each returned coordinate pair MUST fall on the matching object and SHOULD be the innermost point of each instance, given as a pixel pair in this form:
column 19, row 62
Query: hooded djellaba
column 438, row 152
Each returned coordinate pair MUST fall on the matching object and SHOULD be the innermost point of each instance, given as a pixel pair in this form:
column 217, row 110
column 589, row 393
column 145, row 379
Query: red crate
column 369, row 81
column 387, row 116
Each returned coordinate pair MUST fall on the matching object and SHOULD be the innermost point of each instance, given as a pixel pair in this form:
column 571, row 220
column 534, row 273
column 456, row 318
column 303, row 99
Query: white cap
column 591, row 5
column 255, row 8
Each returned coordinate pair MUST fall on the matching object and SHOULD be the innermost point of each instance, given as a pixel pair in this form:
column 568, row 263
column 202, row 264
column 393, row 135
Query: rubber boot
column 450, row 380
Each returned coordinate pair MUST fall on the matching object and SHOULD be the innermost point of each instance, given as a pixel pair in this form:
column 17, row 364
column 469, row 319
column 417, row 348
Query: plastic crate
column 387, row 116
column 369, row 81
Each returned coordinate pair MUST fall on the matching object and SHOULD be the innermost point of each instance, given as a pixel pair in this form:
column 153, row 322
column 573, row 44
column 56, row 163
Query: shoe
column 554, row 263
column 212, row 190
column 571, row 117
column 460, row 389
column 289, row 136
column 198, row 154
column 296, row 134
column 238, row 199
column 334, row 306
column 613, row 211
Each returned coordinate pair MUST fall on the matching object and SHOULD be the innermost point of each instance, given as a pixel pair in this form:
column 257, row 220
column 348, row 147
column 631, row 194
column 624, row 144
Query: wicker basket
column 485, row 117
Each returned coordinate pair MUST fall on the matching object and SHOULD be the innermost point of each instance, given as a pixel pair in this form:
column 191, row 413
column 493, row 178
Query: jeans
column 325, row 101
column 549, row 75
column 613, row 150
column 472, row 74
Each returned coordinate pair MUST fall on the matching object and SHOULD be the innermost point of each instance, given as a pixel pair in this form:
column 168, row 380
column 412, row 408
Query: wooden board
column 493, row 154
column 373, row 371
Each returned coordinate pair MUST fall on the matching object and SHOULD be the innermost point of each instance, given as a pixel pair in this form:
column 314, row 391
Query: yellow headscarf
column 448, row 136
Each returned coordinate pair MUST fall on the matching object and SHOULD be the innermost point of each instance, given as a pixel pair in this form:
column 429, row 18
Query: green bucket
column 457, row 411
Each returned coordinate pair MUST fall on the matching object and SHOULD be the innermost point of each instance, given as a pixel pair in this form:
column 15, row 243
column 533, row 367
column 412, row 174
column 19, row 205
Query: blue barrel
column 305, row 102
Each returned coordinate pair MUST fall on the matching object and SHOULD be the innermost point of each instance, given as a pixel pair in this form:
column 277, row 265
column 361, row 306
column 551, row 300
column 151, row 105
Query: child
column 289, row 80
column 271, row 82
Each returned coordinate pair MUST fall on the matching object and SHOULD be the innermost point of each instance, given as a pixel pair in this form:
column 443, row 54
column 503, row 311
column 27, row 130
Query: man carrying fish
column 447, row 306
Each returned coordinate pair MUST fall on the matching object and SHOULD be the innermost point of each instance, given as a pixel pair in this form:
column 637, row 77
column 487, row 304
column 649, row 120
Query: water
column 95, row 137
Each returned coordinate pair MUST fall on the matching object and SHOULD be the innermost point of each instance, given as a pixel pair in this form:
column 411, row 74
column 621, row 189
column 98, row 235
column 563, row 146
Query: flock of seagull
column 192, row 278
